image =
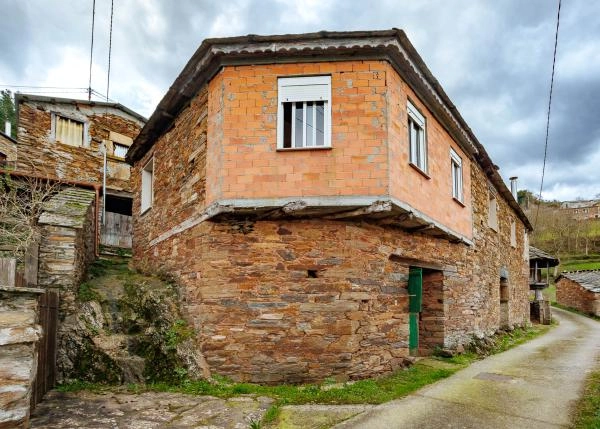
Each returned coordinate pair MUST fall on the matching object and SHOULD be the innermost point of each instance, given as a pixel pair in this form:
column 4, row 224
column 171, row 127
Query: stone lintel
column 382, row 210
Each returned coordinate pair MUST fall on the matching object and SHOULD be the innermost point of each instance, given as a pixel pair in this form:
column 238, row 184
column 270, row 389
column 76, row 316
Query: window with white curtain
column 457, row 175
column 147, row 194
column 417, row 137
column 69, row 131
column 304, row 112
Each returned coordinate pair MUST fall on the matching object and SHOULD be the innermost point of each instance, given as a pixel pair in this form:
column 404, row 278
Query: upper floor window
column 417, row 137
column 457, row 175
column 304, row 112
column 69, row 131
column 147, row 197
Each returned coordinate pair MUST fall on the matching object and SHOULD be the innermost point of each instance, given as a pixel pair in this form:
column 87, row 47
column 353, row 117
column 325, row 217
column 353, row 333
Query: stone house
column 65, row 139
column 325, row 208
column 581, row 210
column 580, row 290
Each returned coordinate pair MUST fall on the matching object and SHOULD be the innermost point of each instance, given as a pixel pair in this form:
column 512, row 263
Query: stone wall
column 38, row 152
column 67, row 244
column 9, row 148
column 19, row 335
column 293, row 301
column 571, row 294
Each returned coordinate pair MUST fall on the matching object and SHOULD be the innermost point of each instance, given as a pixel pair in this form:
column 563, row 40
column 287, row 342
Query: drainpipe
column 104, row 187
column 7, row 128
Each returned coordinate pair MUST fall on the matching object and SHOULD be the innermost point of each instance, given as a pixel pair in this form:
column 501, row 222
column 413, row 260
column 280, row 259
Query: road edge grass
column 575, row 311
column 368, row 391
column 587, row 410
column 586, row 414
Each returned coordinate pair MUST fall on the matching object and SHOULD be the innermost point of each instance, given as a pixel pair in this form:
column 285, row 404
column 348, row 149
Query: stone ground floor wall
column 19, row 335
column 304, row 300
column 572, row 294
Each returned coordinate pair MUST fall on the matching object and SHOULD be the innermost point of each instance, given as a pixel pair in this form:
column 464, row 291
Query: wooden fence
column 27, row 275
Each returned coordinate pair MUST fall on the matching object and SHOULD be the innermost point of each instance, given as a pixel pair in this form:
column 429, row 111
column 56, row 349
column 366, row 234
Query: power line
column 112, row 4
column 41, row 87
column 92, row 49
column 548, row 116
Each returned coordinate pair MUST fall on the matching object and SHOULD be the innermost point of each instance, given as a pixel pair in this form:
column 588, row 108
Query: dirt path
column 531, row 386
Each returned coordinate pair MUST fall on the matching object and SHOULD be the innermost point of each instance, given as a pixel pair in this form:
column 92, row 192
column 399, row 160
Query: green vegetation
column 371, row 391
column 580, row 262
column 587, row 414
column 87, row 293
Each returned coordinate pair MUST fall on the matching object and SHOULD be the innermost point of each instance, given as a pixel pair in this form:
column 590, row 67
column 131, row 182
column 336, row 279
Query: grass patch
column 587, row 414
column 87, row 293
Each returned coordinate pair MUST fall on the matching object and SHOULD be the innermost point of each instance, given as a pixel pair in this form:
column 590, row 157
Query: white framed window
column 417, row 137
column 457, row 175
column 303, row 112
column 147, row 194
column 69, row 131
column 493, row 212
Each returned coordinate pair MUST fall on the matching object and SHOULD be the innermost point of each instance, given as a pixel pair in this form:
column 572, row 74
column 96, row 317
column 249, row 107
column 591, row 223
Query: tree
column 21, row 204
column 8, row 111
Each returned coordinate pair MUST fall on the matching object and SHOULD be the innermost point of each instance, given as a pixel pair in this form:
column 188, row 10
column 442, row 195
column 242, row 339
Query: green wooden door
column 415, row 300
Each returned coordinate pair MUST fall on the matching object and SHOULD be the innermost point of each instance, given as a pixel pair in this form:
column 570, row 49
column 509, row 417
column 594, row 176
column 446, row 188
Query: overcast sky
column 493, row 57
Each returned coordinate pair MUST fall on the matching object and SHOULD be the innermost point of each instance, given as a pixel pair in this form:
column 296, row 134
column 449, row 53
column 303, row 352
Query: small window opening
column 311, row 274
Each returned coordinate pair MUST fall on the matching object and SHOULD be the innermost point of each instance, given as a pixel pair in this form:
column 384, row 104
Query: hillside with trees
column 558, row 232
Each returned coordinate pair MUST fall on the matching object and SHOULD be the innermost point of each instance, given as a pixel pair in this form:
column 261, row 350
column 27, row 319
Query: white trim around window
column 304, row 112
column 417, row 137
column 456, row 169
column 147, row 188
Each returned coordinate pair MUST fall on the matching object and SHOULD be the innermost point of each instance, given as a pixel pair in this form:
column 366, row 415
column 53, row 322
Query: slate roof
column 589, row 280
column 540, row 255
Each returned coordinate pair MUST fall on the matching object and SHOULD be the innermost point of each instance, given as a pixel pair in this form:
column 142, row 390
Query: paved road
column 531, row 386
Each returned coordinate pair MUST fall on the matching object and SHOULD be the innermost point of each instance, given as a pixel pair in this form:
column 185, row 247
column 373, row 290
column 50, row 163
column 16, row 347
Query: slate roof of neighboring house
column 536, row 254
column 390, row 45
column 3, row 134
column 46, row 99
column 589, row 280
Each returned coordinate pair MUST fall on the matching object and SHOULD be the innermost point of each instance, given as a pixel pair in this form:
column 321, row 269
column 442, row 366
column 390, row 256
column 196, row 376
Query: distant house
column 580, row 290
column 325, row 207
column 65, row 139
column 581, row 210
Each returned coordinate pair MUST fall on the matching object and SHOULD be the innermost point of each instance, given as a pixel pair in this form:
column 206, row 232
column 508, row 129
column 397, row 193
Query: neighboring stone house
column 8, row 150
column 65, row 139
column 580, row 290
column 581, row 210
column 325, row 207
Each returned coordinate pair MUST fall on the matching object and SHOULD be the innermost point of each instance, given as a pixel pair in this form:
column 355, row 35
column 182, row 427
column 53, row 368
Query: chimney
column 513, row 186
column 7, row 128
